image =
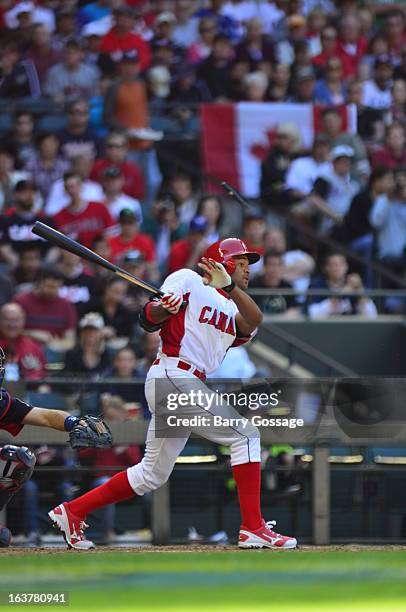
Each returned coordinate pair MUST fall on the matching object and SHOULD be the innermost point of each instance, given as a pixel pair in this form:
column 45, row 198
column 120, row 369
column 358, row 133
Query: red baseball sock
column 114, row 490
column 248, row 479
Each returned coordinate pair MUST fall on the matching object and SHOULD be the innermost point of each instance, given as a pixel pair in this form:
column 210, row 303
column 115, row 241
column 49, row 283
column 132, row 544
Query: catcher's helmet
column 2, row 365
column 223, row 250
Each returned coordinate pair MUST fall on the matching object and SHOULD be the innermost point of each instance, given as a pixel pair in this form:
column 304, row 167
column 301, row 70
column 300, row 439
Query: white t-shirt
column 373, row 97
column 201, row 333
column 302, row 173
column 120, row 203
column 58, row 198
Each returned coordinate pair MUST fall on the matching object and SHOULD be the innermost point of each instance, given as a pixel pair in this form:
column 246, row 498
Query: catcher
column 17, row 462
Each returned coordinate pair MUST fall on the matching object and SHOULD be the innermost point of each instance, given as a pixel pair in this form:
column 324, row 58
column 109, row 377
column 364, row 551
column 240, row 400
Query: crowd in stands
column 116, row 77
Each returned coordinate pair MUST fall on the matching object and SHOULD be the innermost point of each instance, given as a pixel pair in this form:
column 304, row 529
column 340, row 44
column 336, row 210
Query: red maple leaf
column 260, row 150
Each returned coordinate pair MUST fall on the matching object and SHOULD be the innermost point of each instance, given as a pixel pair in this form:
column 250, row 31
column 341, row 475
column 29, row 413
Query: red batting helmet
column 223, row 250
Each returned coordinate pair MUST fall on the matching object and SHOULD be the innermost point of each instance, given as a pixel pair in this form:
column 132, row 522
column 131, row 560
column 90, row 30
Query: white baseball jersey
column 201, row 333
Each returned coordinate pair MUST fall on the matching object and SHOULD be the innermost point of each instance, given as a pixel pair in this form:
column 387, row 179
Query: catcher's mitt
column 90, row 432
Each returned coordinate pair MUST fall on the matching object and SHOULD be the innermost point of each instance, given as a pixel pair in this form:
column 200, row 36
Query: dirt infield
column 198, row 548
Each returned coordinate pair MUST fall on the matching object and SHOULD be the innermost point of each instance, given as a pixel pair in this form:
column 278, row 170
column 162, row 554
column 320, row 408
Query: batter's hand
column 172, row 302
column 216, row 274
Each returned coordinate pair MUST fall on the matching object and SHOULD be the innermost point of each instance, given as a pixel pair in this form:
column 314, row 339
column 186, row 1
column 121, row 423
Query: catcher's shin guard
column 16, row 467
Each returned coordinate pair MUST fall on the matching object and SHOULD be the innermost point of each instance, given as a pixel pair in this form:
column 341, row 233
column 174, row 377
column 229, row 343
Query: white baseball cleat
column 71, row 527
column 264, row 537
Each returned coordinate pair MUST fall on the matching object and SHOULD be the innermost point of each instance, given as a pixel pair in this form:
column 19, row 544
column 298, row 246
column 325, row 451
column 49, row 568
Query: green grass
column 241, row 580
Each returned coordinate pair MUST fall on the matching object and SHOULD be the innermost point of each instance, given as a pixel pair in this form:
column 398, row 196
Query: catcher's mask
column 2, row 365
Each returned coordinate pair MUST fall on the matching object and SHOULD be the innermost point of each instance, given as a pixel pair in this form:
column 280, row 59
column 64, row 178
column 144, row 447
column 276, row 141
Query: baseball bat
column 234, row 193
column 64, row 242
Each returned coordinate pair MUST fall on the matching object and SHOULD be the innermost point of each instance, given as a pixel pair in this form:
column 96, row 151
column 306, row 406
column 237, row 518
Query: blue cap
column 198, row 224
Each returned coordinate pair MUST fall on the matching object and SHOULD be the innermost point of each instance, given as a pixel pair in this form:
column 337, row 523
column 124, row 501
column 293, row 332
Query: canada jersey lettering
column 201, row 333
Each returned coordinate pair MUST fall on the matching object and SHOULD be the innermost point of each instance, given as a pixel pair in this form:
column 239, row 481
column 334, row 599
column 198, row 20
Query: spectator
column 46, row 166
column 50, row 319
column 89, row 357
column 254, row 226
column 186, row 252
column 273, row 170
column 26, row 273
column 377, row 46
column 202, row 46
column 21, row 137
column 186, row 27
column 118, row 319
column 101, row 247
column 125, row 366
column 115, row 155
column 41, row 53
column 9, row 177
column 164, row 25
column 297, row 265
column 226, row 26
column 164, row 227
column 255, row 48
column 334, row 189
column 332, row 128
column 90, row 190
column 188, row 93
column 114, row 197
column 17, row 223
column 303, row 171
column 18, row 77
column 388, row 217
column 331, row 89
column 272, row 14
column 181, row 188
column 316, row 22
column 25, row 357
column 280, row 83
column 393, row 154
column 77, row 138
column 394, row 29
column 397, row 112
column 214, row 70
column 377, row 92
column 134, row 263
column 66, row 27
column 304, row 86
column 296, row 32
column 72, row 78
column 335, row 278
column 126, row 109
column 255, row 87
column 211, row 208
column 271, row 277
column 28, row 12
column 351, row 45
column 78, row 285
column 82, row 220
column 328, row 40
column 356, row 229
column 131, row 238
column 121, row 39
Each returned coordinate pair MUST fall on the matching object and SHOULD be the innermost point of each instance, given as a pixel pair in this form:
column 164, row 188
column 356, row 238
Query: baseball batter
column 200, row 318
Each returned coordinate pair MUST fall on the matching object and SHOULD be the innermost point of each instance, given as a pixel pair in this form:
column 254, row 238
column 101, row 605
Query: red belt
column 183, row 365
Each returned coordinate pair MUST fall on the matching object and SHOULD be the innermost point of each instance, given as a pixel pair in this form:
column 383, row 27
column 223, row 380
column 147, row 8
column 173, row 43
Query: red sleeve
column 136, row 188
column 95, row 174
column 145, row 53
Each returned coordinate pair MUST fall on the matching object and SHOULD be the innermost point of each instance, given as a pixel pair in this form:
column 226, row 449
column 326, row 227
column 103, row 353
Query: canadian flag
column 236, row 138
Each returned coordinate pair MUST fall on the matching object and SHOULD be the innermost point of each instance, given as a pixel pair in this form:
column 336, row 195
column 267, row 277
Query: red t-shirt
column 29, row 356
column 113, row 42
column 140, row 242
column 85, row 225
column 133, row 179
column 350, row 60
column 54, row 316
column 383, row 157
column 179, row 254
